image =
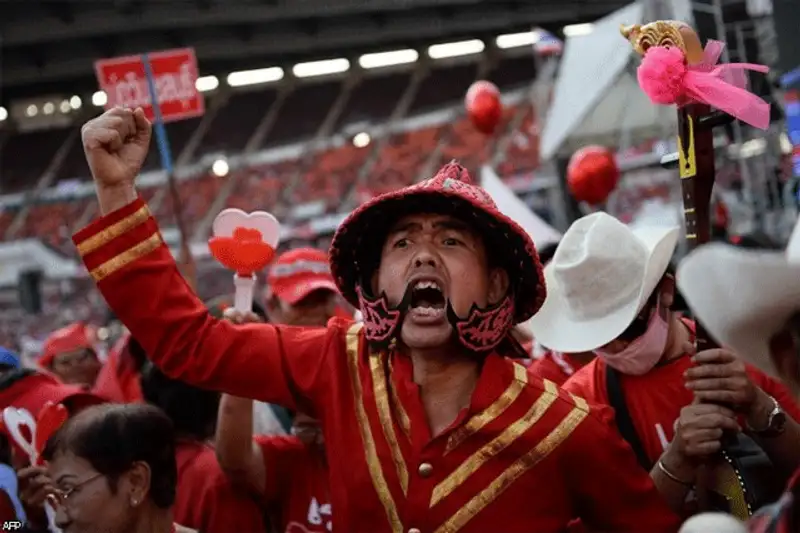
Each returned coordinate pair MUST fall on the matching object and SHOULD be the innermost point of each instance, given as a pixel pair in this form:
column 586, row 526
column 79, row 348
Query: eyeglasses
column 62, row 496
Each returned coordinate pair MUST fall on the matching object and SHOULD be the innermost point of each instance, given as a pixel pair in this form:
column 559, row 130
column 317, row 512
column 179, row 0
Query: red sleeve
column 134, row 269
column 280, row 459
column 777, row 390
column 604, row 461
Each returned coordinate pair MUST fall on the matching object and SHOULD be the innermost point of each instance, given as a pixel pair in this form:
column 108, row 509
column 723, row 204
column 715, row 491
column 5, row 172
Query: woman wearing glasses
column 113, row 471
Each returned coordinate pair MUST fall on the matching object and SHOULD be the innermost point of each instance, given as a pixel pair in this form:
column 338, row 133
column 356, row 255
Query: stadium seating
column 401, row 160
column 331, row 175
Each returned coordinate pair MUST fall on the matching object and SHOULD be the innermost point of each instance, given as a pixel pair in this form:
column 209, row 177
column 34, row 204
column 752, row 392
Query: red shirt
column 655, row 399
column 557, row 367
column 522, row 456
column 297, row 492
column 205, row 500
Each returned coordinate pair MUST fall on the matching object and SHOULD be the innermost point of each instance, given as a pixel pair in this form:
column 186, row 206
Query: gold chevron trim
column 500, row 443
column 373, row 462
column 545, row 447
column 385, row 416
column 497, row 408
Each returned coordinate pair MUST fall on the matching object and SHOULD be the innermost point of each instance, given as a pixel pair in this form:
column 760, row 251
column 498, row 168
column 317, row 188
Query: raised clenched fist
column 116, row 144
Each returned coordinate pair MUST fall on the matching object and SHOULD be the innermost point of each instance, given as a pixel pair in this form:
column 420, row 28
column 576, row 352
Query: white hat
column 743, row 297
column 716, row 522
column 599, row 279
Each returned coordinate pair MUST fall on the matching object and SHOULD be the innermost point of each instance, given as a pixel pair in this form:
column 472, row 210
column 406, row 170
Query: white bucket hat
column 600, row 277
column 743, row 297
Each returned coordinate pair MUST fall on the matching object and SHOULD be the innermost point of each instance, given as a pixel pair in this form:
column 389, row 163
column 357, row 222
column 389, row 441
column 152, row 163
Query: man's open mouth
column 427, row 297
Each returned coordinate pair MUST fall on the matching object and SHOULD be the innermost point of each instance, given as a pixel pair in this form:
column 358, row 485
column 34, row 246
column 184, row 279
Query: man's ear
column 498, row 285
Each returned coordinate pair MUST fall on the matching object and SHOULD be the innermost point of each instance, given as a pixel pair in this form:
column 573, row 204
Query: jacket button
column 425, row 469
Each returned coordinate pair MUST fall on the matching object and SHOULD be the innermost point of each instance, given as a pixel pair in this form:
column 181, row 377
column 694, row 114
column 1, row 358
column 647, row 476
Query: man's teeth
column 425, row 284
column 427, row 311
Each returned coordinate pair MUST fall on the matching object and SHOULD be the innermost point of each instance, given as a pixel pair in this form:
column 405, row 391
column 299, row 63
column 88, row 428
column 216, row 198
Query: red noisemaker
column 245, row 243
column 31, row 435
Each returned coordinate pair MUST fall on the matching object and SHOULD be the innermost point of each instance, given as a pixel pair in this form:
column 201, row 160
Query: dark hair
column 193, row 411
column 112, row 437
column 639, row 325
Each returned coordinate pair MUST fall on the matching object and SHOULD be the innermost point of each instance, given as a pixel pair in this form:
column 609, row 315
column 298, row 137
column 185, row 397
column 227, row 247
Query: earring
column 134, row 502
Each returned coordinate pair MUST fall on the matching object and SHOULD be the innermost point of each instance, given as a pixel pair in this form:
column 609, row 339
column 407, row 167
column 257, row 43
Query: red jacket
column 523, row 456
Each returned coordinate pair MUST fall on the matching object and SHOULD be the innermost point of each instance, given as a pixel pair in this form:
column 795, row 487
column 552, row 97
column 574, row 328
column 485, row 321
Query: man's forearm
column 674, row 479
column 113, row 198
column 234, row 433
column 782, row 449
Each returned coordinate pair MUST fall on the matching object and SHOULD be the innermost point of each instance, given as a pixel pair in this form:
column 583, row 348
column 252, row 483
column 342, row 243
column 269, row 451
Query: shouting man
column 429, row 426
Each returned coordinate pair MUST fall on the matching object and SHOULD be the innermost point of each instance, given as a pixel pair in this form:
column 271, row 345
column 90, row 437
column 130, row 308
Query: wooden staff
column 696, row 168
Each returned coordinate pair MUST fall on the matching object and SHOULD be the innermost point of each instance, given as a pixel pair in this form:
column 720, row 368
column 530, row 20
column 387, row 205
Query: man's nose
column 425, row 257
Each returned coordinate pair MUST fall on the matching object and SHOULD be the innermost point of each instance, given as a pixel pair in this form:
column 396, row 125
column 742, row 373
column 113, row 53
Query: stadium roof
column 48, row 47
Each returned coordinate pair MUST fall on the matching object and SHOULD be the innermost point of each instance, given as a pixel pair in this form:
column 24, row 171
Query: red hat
column 34, row 390
column 297, row 273
column 67, row 339
column 356, row 244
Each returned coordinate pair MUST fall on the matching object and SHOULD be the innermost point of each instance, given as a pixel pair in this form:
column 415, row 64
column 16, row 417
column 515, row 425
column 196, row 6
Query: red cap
column 297, row 273
column 67, row 339
column 33, row 392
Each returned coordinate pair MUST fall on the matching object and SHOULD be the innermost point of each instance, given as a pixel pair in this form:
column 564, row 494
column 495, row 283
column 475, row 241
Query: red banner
column 124, row 81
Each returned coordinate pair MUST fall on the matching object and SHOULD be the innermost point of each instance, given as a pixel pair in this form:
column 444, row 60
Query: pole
column 186, row 260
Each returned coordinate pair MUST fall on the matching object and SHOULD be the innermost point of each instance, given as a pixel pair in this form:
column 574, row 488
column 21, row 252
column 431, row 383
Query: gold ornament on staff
column 665, row 33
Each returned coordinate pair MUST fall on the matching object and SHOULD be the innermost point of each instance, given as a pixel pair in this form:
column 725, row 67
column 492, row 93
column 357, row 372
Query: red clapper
column 31, row 436
column 244, row 243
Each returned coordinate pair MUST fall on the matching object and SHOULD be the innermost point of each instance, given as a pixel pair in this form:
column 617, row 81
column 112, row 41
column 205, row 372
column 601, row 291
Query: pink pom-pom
column 661, row 74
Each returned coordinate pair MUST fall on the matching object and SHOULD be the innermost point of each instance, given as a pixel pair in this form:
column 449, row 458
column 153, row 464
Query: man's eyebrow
column 405, row 226
column 64, row 477
column 452, row 224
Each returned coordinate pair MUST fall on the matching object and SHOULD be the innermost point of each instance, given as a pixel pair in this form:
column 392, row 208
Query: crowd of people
column 432, row 372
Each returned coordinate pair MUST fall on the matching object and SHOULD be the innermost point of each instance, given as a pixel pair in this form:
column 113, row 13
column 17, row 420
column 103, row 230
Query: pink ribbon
column 725, row 87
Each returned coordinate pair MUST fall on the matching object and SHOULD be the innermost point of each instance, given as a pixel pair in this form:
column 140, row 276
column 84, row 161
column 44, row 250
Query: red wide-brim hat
column 356, row 246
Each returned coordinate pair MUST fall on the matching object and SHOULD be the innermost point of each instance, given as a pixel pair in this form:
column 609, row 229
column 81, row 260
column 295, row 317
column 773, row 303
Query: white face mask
column 641, row 355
